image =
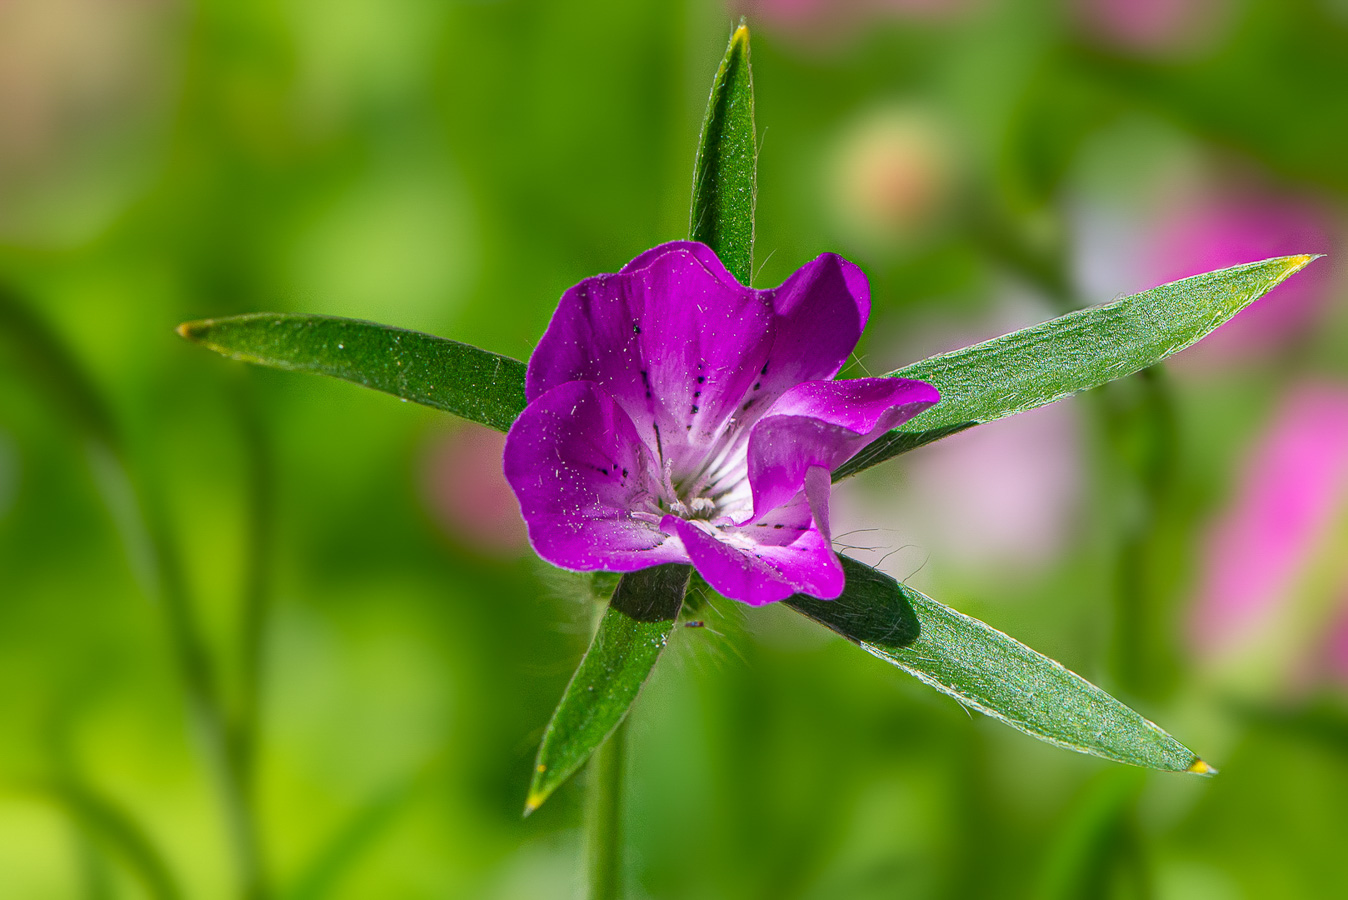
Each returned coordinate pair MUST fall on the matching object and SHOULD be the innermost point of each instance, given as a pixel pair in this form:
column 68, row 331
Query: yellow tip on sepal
column 193, row 331
column 1297, row 263
column 533, row 802
column 1201, row 768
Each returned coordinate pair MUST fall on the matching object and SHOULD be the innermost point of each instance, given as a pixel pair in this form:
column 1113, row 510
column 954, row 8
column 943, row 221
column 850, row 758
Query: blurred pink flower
column 892, row 177
column 82, row 85
column 1153, row 27
column 1213, row 232
column 72, row 67
column 1002, row 494
column 823, row 19
column 466, row 489
column 1336, row 655
column 1291, row 488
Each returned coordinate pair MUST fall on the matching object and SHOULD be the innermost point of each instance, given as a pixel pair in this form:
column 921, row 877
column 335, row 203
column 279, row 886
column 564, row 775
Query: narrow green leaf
column 457, row 378
column 632, row 632
column 988, row 671
column 727, row 161
column 1075, row 352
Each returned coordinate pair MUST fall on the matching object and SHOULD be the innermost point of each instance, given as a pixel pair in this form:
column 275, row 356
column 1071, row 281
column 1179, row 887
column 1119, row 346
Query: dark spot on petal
column 695, row 408
column 605, row 471
column 764, row 370
column 636, row 329
column 624, row 473
column 757, row 385
column 779, row 525
column 702, row 379
column 697, row 393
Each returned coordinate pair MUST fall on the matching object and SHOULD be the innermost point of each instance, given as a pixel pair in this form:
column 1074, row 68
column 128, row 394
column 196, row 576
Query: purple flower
column 676, row 416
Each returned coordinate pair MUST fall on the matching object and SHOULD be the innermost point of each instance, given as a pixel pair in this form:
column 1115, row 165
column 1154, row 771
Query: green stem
column 1140, row 586
column 604, row 817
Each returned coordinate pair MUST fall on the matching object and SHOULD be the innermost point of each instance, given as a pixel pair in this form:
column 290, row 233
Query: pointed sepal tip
column 193, row 331
column 1198, row 767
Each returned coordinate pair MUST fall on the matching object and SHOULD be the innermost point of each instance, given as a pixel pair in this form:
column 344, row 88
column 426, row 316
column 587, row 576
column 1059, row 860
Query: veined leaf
column 1081, row 350
column 457, row 378
column 727, row 161
column 633, row 631
column 990, row 672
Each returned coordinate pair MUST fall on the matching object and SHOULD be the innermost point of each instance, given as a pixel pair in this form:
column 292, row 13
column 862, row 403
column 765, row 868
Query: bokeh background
column 385, row 649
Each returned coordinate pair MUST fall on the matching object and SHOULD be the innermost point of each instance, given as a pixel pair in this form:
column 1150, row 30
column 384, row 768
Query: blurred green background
column 1180, row 538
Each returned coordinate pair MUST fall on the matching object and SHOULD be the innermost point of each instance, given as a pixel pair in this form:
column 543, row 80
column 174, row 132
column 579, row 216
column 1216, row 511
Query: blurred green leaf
column 1321, row 720
column 988, row 671
column 43, row 356
column 457, row 378
column 1075, row 352
column 109, row 824
column 353, row 840
column 724, row 174
column 1097, row 844
column 632, row 633
column 152, row 550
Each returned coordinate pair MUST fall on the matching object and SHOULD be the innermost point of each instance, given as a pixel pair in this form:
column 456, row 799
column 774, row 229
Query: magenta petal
column 676, row 342
column 825, row 423
column 677, row 415
column 764, row 562
column 704, row 254
column 582, row 477
column 689, row 352
column 821, row 311
column 818, row 485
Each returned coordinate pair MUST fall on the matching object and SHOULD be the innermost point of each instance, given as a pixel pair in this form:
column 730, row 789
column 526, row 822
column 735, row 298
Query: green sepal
column 1075, row 352
column 724, row 173
column 631, row 635
column 457, row 378
column 988, row 671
